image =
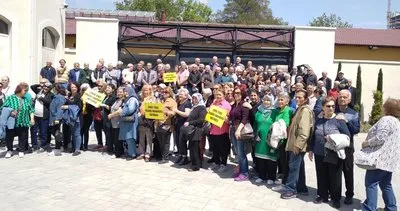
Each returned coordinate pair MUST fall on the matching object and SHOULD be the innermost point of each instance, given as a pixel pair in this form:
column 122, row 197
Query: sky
column 360, row 13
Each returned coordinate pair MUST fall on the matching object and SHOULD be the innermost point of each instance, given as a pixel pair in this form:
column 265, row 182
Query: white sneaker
column 259, row 180
column 55, row 152
column 21, row 154
column 213, row 166
column 222, row 168
column 270, row 182
column 8, row 154
column 113, row 157
column 278, row 182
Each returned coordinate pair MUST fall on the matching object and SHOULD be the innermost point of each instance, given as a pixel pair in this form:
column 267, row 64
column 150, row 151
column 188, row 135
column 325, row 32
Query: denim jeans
column 41, row 126
column 373, row 178
column 240, row 147
column 131, row 147
column 76, row 136
column 296, row 180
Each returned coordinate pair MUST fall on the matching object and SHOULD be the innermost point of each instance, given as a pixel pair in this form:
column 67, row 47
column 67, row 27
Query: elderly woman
column 98, row 118
column 23, row 112
column 129, row 120
column 219, row 136
column 115, row 121
column 195, row 120
column 238, row 118
column 329, row 165
column 87, row 118
column 182, row 112
column 164, row 127
column 105, row 111
column 146, row 126
column 380, row 156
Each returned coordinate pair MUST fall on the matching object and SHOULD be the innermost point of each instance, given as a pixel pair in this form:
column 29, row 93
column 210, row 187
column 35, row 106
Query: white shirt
column 127, row 76
column 39, row 106
column 8, row 91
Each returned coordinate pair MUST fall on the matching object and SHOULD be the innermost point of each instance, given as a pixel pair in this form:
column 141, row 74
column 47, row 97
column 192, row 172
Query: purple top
column 239, row 113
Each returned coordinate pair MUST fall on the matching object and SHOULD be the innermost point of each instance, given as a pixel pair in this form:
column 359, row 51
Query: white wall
column 5, row 57
column 369, row 77
column 316, row 47
column 96, row 38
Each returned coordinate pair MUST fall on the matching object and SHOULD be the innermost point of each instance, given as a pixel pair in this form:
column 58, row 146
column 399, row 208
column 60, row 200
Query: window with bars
column 3, row 27
column 49, row 40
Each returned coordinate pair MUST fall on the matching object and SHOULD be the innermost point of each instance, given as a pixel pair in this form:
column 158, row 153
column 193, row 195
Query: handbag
column 247, row 133
column 188, row 131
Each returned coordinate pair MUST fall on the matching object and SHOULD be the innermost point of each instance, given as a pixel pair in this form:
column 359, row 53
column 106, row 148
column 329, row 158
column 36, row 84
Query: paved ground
column 94, row 181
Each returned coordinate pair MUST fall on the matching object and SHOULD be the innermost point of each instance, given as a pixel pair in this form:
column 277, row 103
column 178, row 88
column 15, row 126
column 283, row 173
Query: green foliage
column 380, row 81
column 364, row 127
column 376, row 112
column 358, row 89
column 330, row 20
column 339, row 68
column 247, row 12
column 176, row 10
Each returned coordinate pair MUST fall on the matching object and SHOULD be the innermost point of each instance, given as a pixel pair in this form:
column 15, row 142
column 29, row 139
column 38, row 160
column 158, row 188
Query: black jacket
column 196, row 119
column 328, row 83
column 46, row 100
column 105, row 112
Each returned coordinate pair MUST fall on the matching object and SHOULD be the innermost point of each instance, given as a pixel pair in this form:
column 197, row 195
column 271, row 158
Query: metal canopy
column 179, row 36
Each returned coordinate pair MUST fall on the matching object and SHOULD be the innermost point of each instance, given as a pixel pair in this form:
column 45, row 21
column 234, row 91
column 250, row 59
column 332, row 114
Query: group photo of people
column 206, row 115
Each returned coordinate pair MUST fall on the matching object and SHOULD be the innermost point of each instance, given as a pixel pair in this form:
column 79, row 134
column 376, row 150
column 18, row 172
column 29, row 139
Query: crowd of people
column 289, row 114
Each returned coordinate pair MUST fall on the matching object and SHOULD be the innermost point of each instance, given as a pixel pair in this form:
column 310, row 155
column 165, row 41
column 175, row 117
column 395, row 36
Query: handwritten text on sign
column 169, row 77
column 93, row 97
column 154, row 111
column 216, row 116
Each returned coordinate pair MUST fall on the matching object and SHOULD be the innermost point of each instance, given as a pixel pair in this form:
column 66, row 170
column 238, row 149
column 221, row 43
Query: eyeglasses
column 330, row 106
column 237, row 93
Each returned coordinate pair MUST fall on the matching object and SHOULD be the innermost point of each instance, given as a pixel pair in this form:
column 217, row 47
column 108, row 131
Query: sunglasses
column 330, row 106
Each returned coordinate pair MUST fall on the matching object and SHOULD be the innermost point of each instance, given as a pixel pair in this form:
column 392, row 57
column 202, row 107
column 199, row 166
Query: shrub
column 376, row 112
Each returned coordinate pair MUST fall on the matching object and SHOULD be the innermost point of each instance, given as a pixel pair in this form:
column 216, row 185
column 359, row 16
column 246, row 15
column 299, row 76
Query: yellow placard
column 93, row 97
column 169, row 77
column 216, row 115
column 154, row 111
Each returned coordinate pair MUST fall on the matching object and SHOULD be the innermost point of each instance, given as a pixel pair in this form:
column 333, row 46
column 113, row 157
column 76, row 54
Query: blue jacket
column 353, row 123
column 6, row 121
column 55, row 108
column 70, row 116
column 130, row 107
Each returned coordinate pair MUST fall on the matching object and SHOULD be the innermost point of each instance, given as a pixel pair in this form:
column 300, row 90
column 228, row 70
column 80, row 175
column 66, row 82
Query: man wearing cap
column 342, row 80
column 48, row 72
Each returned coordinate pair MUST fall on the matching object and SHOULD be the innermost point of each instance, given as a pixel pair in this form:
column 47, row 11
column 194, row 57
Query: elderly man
column 119, row 69
column 238, row 63
column 353, row 92
column 194, row 80
column 77, row 75
column 6, row 89
column 48, row 72
column 214, row 63
column 310, row 78
column 128, row 74
column 111, row 75
column 149, row 75
column 88, row 74
column 197, row 61
column 343, row 82
column 98, row 73
column 227, row 63
column 352, row 119
column 327, row 81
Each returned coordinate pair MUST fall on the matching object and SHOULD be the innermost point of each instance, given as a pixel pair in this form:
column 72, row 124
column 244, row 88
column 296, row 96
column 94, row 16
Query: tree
column 338, row 70
column 330, row 21
column 380, row 81
column 247, row 12
column 176, row 10
column 376, row 112
column 357, row 104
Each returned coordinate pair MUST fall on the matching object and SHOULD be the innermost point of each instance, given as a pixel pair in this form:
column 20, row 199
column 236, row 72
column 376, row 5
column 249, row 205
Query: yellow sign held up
column 93, row 97
column 154, row 111
column 169, row 77
column 216, row 115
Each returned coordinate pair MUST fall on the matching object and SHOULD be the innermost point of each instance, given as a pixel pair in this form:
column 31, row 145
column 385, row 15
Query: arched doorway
column 50, row 41
column 5, row 45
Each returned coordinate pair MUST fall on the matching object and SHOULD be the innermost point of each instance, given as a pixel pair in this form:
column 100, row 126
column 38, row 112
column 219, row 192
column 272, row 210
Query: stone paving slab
column 93, row 181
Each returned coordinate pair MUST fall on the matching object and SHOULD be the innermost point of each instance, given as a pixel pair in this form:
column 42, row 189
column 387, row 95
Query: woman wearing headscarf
column 22, row 111
column 146, row 126
column 182, row 112
column 164, row 127
column 195, row 120
column 87, row 118
column 105, row 111
column 115, row 123
column 266, row 156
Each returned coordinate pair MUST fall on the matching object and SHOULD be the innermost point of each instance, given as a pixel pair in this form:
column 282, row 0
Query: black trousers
column 98, row 127
column 329, row 178
column 222, row 147
column 164, row 137
column 87, row 121
column 116, row 144
column 183, row 144
column 266, row 169
column 194, row 147
column 107, row 132
column 283, row 163
column 348, row 172
column 67, row 137
column 56, row 128
column 22, row 133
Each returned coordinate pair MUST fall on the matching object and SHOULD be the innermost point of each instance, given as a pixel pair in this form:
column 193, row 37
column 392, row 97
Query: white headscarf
column 199, row 98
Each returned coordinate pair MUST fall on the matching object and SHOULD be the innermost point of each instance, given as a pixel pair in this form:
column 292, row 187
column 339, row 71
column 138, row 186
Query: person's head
column 328, row 106
column 149, row 66
column 217, row 70
column 349, row 82
column 49, row 63
column 102, row 85
column 183, row 65
column 25, row 85
column 293, row 88
column 5, row 80
column 273, row 78
column 110, row 88
column 59, row 89
column 139, row 66
column 73, row 88
column 278, row 90
column 229, row 94
column 168, row 93
column 301, row 97
column 238, row 60
column 167, row 67
column 99, row 66
column 310, row 90
column 159, row 61
column 197, row 61
column 86, row 65
column 299, row 86
column 391, row 107
column 147, row 90
column 239, row 94
column 214, row 59
column 207, row 69
column 340, row 75
column 183, row 94
column 320, row 84
column 254, row 98
column 196, row 99
column 310, row 71
column 336, row 84
column 267, row 90
column 324, row 74
column 84, row 87
column 76, row 65
column 344, row 97
column 219, row 94
column 318, row 92
column 266, row 101
column 119, row 65
column 227, row 60
column 299, row 79
column 207, row 92
column 160, row 68
column 110, row 67
column 130, row 67
column 201, row 67
column 283, row 100
column 249, row 64
column 216, row 87
column 43, row 81
column 120, row 92
column 62, row 63
column 225, row 70
column 101, row 61
column 20, row 90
